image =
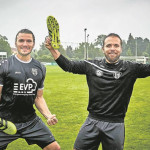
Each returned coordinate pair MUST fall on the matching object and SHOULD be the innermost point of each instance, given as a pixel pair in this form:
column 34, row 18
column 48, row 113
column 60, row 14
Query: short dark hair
column 25, row 31
column 110, row 35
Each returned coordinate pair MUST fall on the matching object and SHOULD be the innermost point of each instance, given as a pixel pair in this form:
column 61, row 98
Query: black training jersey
column 110, row 85
column 20, row 81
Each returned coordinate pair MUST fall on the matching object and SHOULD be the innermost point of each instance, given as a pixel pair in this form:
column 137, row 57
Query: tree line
column 132, row 47
column 4, row 45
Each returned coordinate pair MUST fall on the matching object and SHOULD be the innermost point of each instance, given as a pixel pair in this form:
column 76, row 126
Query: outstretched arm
column 43, row 108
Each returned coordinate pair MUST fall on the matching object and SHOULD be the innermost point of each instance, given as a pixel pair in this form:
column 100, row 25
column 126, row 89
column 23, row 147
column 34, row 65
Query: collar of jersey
column 23, row 61
column 111, row 65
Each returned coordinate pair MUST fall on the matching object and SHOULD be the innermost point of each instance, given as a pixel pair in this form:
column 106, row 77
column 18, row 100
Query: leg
column 5, row 139
column 113, row 138
column 88, row 137
column 52, row 146
column 38, row 133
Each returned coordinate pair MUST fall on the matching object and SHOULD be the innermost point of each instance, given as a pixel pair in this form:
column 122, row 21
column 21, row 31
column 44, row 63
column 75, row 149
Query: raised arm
column 55, row 53
column 78, row 67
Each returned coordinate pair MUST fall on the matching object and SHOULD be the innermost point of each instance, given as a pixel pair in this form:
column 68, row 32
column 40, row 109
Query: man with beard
column 21, row 86
column 110, row 81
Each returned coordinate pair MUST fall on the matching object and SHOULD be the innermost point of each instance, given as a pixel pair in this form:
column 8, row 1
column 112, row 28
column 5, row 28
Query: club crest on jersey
column 117, row 75
column 34, row 71
column 99, row 73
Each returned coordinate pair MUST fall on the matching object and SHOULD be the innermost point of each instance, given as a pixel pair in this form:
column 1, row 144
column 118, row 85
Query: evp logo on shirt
column 27, row 88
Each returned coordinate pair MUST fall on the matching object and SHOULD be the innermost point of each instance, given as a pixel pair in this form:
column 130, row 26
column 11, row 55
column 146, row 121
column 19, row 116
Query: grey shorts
column 93, row 132
column 34, row 132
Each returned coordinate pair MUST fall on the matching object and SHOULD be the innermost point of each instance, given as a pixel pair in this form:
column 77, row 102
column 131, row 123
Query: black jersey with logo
column 110, row 85
column 20, row 81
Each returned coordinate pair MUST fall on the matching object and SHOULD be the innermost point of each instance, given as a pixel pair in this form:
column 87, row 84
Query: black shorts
column 34, row 132
column 93, row 132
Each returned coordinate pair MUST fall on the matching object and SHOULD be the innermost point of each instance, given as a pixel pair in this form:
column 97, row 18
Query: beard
column 20, row 51
column 112, row 60
column 22, row 54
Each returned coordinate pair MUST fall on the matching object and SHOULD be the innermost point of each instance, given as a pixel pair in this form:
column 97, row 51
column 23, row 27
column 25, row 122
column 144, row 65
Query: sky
column 98, row 16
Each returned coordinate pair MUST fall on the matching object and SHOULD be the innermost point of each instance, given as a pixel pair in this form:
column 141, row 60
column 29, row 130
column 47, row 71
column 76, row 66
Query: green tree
column 4, row 45
column 79, row 52
column 42, row 50
column 62, row 50
column 99, row 40
column 69, row 51
column 131, row 44
column 124, row 48
column 44, row 55
column 139, row 44
column 94, row 51
column 147, row 46
column 128, row 53
column 45, row 58
column 145, row 54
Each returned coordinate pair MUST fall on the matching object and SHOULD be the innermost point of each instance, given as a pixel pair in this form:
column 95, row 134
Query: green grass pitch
column 66, row 95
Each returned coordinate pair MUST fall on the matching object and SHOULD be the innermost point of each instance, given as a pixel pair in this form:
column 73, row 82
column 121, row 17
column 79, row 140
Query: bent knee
column 58, row 148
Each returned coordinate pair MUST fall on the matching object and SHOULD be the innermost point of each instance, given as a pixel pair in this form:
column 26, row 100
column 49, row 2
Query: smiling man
column 21, row 86
column 112, row 48
column 110, row 81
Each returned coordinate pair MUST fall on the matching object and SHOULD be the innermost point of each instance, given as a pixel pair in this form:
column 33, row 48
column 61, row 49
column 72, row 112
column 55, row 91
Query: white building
column 3, row 55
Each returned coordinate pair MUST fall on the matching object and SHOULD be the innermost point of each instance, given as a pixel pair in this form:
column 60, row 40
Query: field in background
column 66, row 95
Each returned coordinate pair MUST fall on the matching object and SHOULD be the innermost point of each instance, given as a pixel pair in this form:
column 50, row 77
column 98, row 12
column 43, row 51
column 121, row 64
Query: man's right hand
column 55, row 53
column 52, row 120
column 48, row 43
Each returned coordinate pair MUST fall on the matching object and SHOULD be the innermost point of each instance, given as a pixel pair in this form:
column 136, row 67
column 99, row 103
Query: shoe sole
column 7, row 127
column 53, row 30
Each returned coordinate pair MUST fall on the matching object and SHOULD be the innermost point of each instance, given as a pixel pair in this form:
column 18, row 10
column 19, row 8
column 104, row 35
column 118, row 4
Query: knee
column 55, row 148
column 58, row 147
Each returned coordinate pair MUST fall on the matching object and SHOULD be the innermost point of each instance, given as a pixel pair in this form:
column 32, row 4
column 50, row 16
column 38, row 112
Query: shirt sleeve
column 41, row 86
column 3, row 65
column 142, row 70
column 77, row 67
